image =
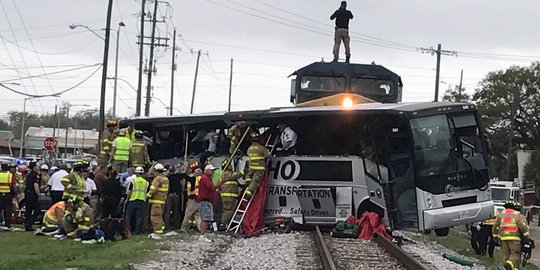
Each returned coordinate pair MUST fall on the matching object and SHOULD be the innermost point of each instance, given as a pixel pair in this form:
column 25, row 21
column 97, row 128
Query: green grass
column 461, row 244
column 23, row 250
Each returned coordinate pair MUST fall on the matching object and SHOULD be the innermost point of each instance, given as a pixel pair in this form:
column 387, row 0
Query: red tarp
column 254, row 218
column 370, row 225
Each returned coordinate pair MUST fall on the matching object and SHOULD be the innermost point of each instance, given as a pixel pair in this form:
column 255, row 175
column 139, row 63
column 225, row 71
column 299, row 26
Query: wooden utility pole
column 173, row 68
column 141, row 54
column 195, row 82
column 101, row 123
column 437, row 52
column 151, row 61
column 460, row 84
column 230, row 87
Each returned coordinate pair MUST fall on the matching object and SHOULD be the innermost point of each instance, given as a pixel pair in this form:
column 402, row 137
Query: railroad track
column 354, row 254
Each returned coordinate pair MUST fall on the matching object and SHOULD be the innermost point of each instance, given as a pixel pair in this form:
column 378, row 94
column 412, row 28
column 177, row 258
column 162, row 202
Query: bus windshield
column 432, row 146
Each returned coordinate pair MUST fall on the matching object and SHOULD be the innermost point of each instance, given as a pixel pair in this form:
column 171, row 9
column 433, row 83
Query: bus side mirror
column 293, row 90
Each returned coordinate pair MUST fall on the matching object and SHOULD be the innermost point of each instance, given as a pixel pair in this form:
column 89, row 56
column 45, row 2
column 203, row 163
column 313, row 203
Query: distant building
column 78, row 140
column 8, row 144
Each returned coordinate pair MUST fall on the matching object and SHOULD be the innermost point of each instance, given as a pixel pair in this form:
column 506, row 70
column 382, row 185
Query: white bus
column 421, row 166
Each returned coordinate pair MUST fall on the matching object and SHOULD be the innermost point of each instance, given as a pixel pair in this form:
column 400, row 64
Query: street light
column 73, row 26
column 21, row 149
column 120, row 24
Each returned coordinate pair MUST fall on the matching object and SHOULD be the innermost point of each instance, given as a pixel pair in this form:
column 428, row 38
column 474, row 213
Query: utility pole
column 150, row 64
column 460, row 84
column 437, row 52
column 154, row 42
column 173, row 68
column 513, row 109
column 230, row 87
column 120, row 24
column 101, row 124
column 195, row 82
column 141, row 53
column 55, row 115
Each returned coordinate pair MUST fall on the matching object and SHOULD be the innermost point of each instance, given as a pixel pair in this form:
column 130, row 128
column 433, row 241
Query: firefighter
column 509, row 227
column 157, row 196
column 119, row 158
column 7, row 188
column 74, row 183
column 53, row 218
column 107, row 138
column 78, row 218
column 229, row 191
column 192, row 187
column 235, row 135
column 130, row 132
column 138, row 153
column 257, row 155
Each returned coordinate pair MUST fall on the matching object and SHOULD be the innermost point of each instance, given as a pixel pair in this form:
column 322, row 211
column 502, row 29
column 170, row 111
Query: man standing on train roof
column 342, row 16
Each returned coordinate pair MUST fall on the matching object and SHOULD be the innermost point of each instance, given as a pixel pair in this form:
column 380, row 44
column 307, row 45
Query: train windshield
column 371, row 86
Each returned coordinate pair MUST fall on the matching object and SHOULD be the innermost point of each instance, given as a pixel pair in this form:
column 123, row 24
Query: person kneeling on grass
column 78, row 220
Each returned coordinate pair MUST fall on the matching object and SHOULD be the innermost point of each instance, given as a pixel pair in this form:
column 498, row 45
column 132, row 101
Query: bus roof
column 221, row 118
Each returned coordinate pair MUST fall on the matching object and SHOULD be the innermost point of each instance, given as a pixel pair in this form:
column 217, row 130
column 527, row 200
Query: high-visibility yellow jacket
column 130, row 135
column 510, row 225
column 229, row 186
column 6, row 182
column 257, row 155
column 159, row 190
column 54, row 216
column 122, row 148
column 84, row 222
column 139, row 189
column 74, row 186
column 491, row 221
column 138, row 153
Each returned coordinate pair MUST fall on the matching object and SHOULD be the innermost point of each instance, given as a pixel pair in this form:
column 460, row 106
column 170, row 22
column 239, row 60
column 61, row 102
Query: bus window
column 432, row 146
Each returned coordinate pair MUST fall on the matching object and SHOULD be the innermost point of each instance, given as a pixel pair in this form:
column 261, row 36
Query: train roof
column 223, row 118
column 348, row 70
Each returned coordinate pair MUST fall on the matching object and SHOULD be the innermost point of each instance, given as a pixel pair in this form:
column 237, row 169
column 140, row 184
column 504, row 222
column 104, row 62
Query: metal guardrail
column 407, row 260
column 324, row 252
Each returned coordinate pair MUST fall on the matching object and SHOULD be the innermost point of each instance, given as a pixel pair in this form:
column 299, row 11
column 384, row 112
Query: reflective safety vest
column 5, row 182
column 509, row 225
column 257, row 154
column 130, row 136
column 50, row 219
column 140, row 186
column 122, row 148
column 193, row 192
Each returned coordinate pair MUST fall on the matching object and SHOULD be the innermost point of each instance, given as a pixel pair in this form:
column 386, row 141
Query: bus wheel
column 367, row 205
column 427, row 232
column 442, row 231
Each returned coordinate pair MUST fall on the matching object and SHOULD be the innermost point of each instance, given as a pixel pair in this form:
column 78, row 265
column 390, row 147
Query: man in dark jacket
column 342, row 16
column 112, row 191
column 31, row 193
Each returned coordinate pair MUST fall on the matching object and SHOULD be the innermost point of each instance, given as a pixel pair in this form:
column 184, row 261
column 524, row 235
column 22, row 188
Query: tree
column 453, row 94
column 509, row 102
column 4, row 125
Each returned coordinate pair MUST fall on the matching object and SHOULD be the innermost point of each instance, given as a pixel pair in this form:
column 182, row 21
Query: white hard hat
column 44, row 167
column 159, row 167
column 139, row 170
column 54, row 168
column 209, row 167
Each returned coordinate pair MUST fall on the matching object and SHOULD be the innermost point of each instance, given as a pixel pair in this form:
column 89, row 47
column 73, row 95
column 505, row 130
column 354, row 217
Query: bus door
column 401, row 188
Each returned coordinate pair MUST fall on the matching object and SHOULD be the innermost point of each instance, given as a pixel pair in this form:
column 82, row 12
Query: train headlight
column 347, row 103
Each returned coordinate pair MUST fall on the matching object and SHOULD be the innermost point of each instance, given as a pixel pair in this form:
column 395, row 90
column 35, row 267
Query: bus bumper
column 457, row 215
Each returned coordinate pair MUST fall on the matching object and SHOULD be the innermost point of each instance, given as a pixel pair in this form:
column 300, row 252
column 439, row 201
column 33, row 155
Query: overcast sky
column 268, row 40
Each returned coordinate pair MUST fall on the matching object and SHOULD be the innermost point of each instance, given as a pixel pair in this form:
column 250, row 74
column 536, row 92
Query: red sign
column 50, row 143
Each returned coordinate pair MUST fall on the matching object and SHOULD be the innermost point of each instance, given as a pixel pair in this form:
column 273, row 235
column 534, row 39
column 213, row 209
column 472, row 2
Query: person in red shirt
column 207, row 197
